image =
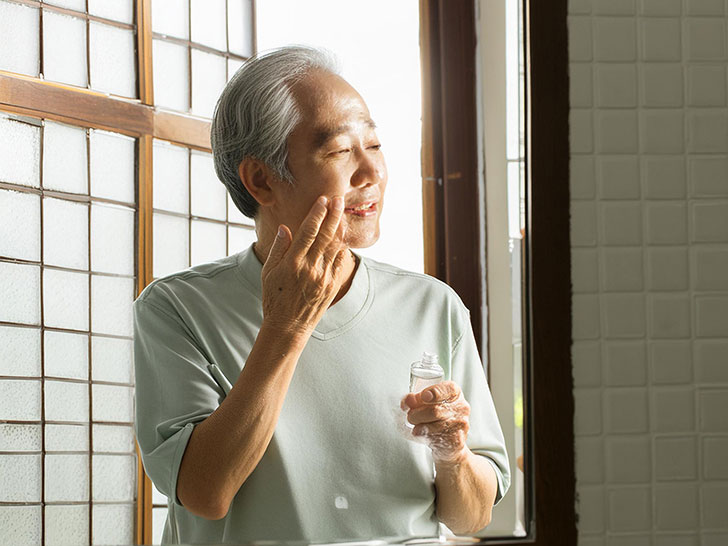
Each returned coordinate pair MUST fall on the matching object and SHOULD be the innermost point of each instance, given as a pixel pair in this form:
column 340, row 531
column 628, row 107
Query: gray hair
column 256, row 113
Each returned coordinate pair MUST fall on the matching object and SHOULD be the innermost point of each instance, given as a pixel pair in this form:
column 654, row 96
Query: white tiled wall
column 649, row 217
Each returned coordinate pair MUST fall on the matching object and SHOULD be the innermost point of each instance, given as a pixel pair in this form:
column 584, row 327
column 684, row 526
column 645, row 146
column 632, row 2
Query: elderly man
column 270, row 383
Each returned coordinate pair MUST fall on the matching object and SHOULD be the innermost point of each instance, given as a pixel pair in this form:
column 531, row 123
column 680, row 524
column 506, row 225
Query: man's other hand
column 441, row 416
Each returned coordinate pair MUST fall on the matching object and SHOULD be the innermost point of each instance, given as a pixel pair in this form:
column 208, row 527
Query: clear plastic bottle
column 425, row 372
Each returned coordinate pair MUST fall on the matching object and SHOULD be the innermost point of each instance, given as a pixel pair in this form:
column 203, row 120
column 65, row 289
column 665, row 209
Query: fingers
column 443, row 430
column 279, row 246
column 310, row 226
column 328, row 231
column 432, row 413
column 410, row 401
column 447, row 391
column 335, row 247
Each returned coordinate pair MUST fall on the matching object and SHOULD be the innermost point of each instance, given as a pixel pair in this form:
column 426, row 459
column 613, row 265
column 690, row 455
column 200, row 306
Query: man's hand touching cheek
column 441, row 416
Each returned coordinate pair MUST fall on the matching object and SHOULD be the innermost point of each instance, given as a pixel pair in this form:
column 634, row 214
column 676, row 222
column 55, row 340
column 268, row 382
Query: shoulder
column 179, row 285
column 391, row 278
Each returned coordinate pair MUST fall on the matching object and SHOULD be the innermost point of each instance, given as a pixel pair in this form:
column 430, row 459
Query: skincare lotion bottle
column 425, row 372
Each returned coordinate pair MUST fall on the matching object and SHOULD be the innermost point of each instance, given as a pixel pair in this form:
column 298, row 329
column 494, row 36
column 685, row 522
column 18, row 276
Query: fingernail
column 338, row 203
column 281, row 232
column 323, row 200
column 427, row 396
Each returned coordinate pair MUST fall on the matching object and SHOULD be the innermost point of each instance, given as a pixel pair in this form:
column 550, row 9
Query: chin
column 362, row 240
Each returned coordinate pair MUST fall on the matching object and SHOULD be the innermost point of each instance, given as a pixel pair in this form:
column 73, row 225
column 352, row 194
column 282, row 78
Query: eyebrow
column 324, row 134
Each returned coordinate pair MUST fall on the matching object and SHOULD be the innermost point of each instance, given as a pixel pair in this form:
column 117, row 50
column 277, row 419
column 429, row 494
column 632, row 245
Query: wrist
column 286, row 337
column 452, row 461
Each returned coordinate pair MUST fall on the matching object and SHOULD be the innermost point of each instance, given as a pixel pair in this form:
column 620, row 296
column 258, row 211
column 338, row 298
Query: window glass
column 388, row 63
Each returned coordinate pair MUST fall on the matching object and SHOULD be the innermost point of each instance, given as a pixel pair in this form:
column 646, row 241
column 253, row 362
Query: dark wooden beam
column 550, row 381
column 450, row 151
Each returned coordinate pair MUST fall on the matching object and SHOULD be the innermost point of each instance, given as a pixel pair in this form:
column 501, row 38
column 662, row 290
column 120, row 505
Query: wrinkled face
column 333, row 151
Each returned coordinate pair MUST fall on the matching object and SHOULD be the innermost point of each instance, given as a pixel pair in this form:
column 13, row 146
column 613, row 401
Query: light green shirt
column 340, row 464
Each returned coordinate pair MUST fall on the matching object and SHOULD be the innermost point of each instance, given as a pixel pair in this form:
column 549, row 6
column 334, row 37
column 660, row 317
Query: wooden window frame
column 452, row 231
column 138, row 118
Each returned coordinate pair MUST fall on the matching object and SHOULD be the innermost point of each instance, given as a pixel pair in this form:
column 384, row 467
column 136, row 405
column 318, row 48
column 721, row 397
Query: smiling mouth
column 364, row 209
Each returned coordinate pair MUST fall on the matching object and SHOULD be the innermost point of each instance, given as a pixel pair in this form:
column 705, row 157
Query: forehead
column 327, row 101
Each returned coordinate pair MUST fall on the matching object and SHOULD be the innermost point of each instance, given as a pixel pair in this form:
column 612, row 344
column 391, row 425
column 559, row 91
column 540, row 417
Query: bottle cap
column 430, row 359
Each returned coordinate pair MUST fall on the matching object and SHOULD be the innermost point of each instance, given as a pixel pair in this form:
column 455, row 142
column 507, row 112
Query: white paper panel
column 171, row 75
column 112, row 239
column 20, row 293
column 234, row 215
column 21, row 525
column 239, row 238
column 20, row 353
column 65, row 233
column 113, row 65
column 111, row 299
column 208, row 80
column 113, row 524
column 232, row 67
column 171, row 244
column 159, row 518
column 208, row 193
column 112, row 359
column 66, row 525
column 19, row 39
column 20, row 437
column 208, row 23
column 64, row 49
column 171, row 177
column 113, row 439
column 20, row 225
column 66, row 355
column 113, row 403
column 66, row 478
column 112, row 166
column 20, row 477
column 116, row 10
column 66, row 401
column 64, row 158
column 19, row 400
column 65, row 299
column 208, row 242
column 171, row 17
column 157, row 496
column 240, row 27
column 114, row 477
column 19, row 163
column 76, row 5
column 66, row 437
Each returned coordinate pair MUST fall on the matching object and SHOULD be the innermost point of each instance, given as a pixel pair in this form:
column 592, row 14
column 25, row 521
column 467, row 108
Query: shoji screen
column 104, row 122
column 195, row 221
column 67, row 214
column 198, row 45
column 78, row 42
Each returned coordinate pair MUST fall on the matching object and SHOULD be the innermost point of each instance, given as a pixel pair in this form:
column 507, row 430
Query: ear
column 258, row 180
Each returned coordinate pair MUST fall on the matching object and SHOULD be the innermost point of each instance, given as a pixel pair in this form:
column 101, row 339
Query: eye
column 342, row 151
column 375, row 147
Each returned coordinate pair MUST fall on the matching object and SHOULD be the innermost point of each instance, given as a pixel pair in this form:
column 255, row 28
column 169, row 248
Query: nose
column 370, row 169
